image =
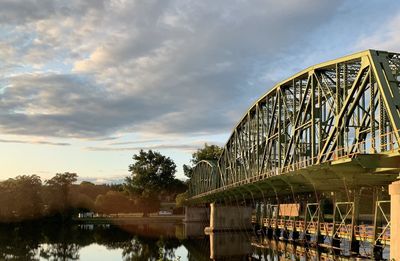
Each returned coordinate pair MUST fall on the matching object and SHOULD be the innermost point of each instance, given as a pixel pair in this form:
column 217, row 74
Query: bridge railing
column 364, row 147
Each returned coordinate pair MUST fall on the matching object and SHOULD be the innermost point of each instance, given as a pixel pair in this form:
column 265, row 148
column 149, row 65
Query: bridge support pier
column 229, row 218
column 197, row 214
column 394, row 191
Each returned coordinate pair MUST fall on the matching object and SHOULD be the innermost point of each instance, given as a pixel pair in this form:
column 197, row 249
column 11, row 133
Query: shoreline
column 130, row 220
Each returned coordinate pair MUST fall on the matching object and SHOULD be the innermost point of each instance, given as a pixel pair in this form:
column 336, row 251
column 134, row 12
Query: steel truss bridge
column 323, row 140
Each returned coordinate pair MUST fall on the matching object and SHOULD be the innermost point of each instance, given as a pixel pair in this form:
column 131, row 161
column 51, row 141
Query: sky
column 85, row 84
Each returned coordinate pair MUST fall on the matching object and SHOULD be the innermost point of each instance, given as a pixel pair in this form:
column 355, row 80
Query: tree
column 148, row 202
column 20, row 198
column 62, row 180
column 152, row 177
column 150, row 171
column 180, row 199
column 176, row 187
column 209, row 152
column 58, row 188
column 114, row 202
column 28, row 196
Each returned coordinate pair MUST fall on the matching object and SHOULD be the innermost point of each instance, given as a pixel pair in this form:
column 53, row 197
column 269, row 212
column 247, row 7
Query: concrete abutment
column 229, row 218
column 197, row 214
column 394, row 191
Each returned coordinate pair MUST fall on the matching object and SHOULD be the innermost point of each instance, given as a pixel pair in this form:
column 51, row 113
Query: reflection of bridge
column 315, row 155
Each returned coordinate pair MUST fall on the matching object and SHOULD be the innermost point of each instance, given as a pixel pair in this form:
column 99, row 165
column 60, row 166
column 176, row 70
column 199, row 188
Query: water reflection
column 57, row 242
column 170, row 242
column 232, row 245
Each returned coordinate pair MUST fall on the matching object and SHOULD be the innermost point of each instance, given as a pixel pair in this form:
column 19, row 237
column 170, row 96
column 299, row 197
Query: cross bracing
column 340, row 118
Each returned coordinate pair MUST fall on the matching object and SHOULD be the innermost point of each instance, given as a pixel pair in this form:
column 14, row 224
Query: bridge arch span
column 342, row 111
column 205, row 177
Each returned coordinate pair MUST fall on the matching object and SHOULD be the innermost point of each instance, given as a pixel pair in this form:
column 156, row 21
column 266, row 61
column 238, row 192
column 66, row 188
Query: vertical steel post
column 312, row 127
column 355, row 245
column 279, row 143
column 338, row 109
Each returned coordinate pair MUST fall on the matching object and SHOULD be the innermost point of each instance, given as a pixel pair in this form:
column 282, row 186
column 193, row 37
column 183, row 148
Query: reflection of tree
column 142, row 248
column 60, row 251
column 63, row 242
column 167, row 248
column 19, row 244
column 198, row 249
column 29, row 240
column 52, row 241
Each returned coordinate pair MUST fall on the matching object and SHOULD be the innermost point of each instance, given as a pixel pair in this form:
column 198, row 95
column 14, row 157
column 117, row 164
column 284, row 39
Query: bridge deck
column 346, row 172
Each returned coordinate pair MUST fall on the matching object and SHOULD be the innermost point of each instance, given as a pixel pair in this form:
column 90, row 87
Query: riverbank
column 129, row 219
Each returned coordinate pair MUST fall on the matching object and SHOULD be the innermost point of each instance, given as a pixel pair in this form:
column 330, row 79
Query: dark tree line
column 27, row 197
column 152, row 180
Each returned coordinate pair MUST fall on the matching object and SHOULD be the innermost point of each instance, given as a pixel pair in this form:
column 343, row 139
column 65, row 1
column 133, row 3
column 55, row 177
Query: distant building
column 86, row 215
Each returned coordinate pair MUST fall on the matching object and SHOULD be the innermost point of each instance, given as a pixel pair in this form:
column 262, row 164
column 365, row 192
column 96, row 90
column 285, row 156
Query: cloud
column 103, row 180
column 93, row 69
column 184, row 147
column 134, row 142
column 36, row 142
column 25, row 11
column 385, row 37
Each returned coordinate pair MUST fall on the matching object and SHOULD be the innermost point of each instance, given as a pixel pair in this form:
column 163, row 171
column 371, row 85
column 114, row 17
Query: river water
column 162, row 241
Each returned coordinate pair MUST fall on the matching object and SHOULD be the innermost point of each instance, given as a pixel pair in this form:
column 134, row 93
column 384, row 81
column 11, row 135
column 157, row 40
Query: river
column 159, row 241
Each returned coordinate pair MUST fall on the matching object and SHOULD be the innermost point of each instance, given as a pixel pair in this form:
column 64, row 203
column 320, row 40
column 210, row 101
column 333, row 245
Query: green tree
column 20, row 198
column 148, row 202
column 114, row 202
column 152, row 177
column 208, row 152
column 175, row 188
column 28, row 196
column 150, row 171
column 57, row 192
column 180, row 199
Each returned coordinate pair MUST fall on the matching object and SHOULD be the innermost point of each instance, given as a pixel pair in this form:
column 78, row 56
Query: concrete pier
column 197, row 214
column 229, row 218
column 193, row 230
column 394, row 191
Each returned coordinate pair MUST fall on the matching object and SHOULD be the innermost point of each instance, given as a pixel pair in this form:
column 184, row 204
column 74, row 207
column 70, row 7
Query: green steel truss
column 205, row 177
column 329, row 112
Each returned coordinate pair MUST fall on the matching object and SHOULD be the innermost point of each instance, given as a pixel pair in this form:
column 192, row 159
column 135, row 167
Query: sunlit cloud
column 385, row 37
column 184, row 147
column 103, row 180
column 36, row 142
column 135, row 142
column 98, row 68
column 119, row 76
